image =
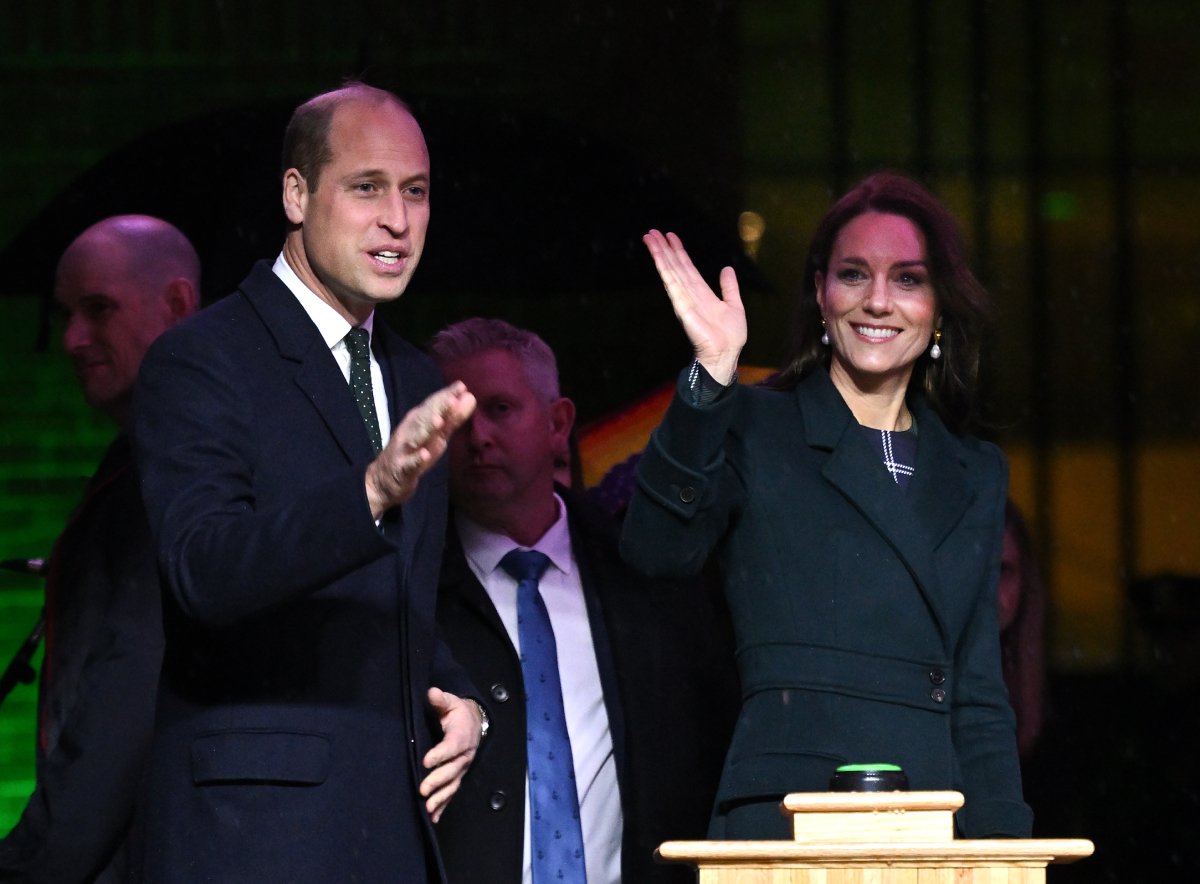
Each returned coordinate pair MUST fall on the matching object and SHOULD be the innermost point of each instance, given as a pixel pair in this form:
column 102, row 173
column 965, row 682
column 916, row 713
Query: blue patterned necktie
column 555, row 832
column 358, row 342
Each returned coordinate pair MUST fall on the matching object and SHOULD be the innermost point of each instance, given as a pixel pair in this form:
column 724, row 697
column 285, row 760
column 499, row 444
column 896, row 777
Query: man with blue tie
column 611, row 696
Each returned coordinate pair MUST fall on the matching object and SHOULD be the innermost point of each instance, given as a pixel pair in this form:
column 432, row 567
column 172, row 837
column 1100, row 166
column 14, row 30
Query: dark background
column 1064, row 134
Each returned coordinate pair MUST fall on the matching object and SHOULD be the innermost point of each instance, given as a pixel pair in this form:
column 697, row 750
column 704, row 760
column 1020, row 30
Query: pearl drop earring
column 935, row 352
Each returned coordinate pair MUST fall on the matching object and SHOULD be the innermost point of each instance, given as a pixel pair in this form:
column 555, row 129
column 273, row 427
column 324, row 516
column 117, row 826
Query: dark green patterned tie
column 358, row 342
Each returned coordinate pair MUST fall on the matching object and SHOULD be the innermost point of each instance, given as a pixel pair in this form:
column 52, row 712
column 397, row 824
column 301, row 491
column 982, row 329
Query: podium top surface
column 1031, row 851
column 876, row 829
column 841, row 802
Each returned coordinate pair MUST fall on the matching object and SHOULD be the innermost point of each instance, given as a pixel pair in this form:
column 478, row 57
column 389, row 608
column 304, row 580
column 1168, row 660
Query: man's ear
column 562, row 418
column 295, row 196
column 181, row 299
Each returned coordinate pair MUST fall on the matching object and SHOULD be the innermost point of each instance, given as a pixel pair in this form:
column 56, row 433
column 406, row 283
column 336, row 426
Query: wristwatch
column 485, row 723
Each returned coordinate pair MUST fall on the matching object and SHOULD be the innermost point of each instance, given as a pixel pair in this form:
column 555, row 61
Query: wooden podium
column 874, row 838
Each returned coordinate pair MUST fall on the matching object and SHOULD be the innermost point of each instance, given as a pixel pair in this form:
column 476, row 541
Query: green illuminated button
column 869, row 778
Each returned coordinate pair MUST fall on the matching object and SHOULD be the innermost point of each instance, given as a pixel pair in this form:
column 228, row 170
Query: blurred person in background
column 119, row 285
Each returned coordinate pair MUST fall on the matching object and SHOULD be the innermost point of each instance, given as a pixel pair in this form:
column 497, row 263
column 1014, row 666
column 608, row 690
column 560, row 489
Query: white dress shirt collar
column 331, row 324
column 484, row 549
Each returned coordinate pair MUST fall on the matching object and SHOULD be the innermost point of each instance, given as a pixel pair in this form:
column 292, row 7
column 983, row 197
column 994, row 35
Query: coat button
column 499, row 693
column 687, row 494
column 937, row 695
column 937, row 676
column 498, row 800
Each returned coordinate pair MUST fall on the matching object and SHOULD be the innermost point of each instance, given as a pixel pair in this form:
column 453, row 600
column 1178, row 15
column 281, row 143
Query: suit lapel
column 912, row 523
column 458, row 581
column 317, row 373
column 394, row 366
column 940, row 491
column 595, row 570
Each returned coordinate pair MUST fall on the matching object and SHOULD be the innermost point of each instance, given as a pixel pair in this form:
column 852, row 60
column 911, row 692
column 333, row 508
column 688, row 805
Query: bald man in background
column 120, row 284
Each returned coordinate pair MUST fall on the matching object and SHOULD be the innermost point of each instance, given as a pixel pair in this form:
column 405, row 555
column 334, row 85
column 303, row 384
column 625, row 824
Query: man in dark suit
column 646, row 669
column 120, row 284
column 310, row 727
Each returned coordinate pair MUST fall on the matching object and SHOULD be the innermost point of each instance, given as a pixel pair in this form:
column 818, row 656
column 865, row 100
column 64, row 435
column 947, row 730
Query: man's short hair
column 306, row 140
column 153, row 251
column 479, row 335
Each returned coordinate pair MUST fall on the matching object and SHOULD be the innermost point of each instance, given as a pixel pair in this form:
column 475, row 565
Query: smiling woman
column 946, row 371
column 857, row 527
column 877, row 304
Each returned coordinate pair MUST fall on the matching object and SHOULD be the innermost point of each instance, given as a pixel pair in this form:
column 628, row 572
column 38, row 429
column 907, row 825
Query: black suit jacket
column 865, row 615
column 299, row 635
column 97, row 706
column 665, row 659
